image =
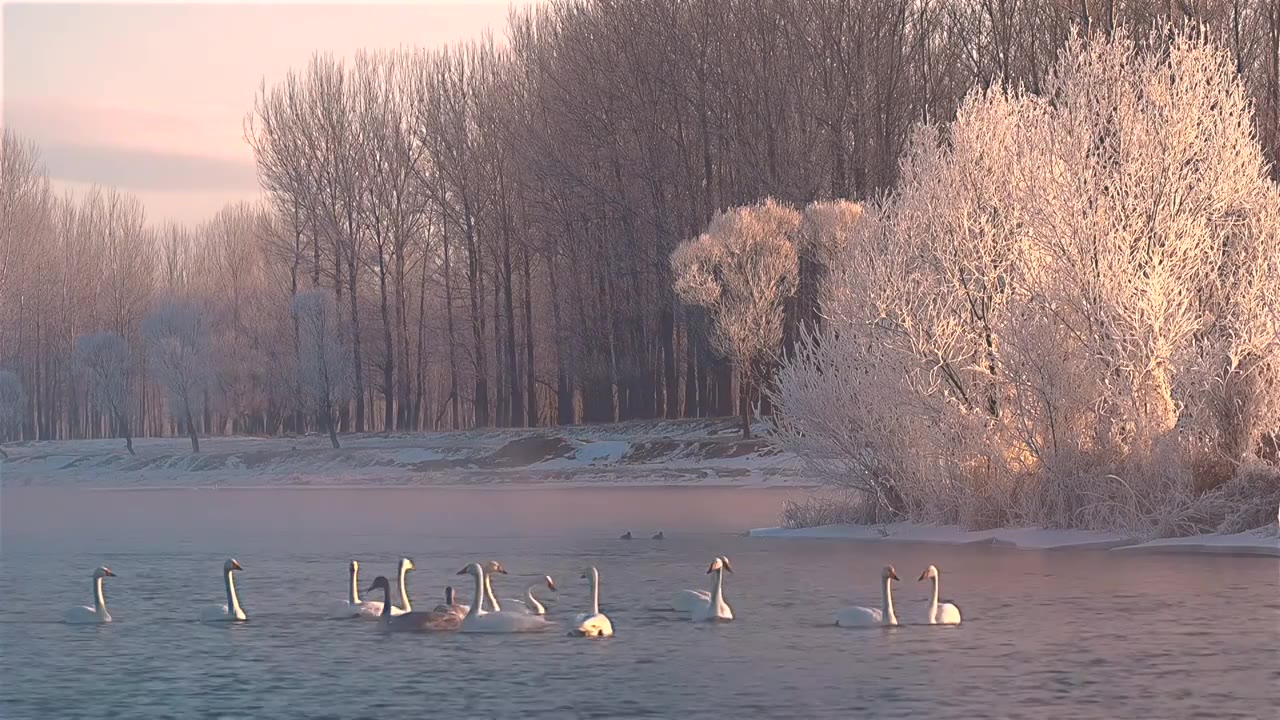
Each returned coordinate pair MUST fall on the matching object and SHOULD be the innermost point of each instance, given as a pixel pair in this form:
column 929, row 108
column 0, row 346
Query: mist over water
column 1046, row 634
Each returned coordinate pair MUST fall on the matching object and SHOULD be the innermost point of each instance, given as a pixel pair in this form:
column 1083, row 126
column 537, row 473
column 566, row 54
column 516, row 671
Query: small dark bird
column 625, row 536
column 658, row 536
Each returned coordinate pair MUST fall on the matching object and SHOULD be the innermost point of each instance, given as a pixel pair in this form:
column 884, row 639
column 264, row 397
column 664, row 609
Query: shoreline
column 1263, row 542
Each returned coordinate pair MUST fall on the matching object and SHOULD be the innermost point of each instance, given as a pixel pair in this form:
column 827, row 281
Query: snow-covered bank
column 1264, row 541
column 697, row 452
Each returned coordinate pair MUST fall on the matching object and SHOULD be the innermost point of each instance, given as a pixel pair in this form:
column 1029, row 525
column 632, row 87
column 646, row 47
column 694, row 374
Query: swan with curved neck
column 938, row 614
column 498, row 621
column 413, row 621
column 691, row 601
column 859, row 616
column 231, row 612
column 715, row 608
column 405, row 606
column 490, row 568
column 593, row 623
column 529, row 602
column 98, row 613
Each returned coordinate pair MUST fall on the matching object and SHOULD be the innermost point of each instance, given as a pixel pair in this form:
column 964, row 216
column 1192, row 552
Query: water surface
column 1046, row 634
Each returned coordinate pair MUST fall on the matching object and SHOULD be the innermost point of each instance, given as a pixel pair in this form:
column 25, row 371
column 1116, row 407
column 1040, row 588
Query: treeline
column 495, row 219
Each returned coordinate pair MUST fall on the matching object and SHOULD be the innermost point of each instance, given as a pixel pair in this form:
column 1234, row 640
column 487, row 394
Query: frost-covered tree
column 177, row 342
column 104, row 359
column 1066, row 313
column 324, row 363
column 12, row 402
column 742, row 270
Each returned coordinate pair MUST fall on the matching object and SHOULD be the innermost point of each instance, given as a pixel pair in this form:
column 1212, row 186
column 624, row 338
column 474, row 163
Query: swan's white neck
column 595, row 592
column 233, row 602
column 354, row 595
column 933, row 598
column 488, row 593
column 99, row 604
column 889, row 617
column 717, row 589
column 533, row 603
column 474, row 612
column 404, row 590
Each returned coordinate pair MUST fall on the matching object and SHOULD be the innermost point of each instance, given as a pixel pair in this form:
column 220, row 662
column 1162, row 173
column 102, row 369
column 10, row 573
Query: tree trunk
column 191, row 430
column 388, row 349
column 531, row 404
column 481, row 400
column 515, row 412
column 744, row 399
column 355, row 341
column 453, row 345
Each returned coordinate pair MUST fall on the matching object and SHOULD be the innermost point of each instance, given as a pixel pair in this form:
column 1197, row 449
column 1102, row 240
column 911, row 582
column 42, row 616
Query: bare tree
column 12, row 402
column 104, row 359
column 742, row 270
column 177, row 341
column 324, row 364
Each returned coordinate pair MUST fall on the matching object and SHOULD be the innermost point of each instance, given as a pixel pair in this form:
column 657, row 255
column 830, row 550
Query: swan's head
column 929, row 572
column 588, row 573
column 448, row 594
column 230, row 564
column 472, row 569
column 354, row 567
column 493, row 566
column 720, row 563
column 551, row 584
column 889, row 573
column 380, row 583
column 102, row 572
column 626, row 535
column 406, row 564
column 658, row 536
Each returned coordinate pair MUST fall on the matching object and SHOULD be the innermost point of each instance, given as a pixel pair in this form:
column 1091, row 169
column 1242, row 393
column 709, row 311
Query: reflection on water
column 1046, row 635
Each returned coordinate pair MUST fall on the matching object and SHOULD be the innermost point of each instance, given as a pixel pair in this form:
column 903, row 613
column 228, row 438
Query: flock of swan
column 699, row 605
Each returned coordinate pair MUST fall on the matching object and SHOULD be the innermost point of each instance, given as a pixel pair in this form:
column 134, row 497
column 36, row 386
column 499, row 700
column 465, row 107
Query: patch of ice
column 1020, row 538
column 1255, row 542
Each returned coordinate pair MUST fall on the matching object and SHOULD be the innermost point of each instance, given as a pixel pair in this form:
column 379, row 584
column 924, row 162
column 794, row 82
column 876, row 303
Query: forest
column 481, row 235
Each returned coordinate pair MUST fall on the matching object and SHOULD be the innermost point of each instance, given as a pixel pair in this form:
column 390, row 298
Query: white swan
column 413, row 621
column 938, row 614
column 594, row 623
column 490, row 568
column 863, row 616
column 530, row 603
column 699, row 601
column 498, row 621
column 715, row 608
column 98, row 613
column 353, row 606
column 230, row 612
column 405, row 606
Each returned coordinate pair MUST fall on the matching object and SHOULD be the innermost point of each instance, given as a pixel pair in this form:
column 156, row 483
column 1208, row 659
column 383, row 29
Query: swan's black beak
column 923, row 575
column 894, row 576
column 235, row 565
column 502, row 570
column 551, row 585
column 727, row 566
column 106, row 572
column 463, row 571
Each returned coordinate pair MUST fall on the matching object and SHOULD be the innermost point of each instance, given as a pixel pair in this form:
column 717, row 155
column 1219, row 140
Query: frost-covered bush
column 1066, row 314
column 742, row 270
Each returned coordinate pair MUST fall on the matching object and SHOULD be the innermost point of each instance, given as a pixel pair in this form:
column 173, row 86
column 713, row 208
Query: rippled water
column 1046, row 635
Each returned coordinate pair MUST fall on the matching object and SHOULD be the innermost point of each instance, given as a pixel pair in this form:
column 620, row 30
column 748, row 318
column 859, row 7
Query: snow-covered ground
column 692, row 452
column 1264, row 541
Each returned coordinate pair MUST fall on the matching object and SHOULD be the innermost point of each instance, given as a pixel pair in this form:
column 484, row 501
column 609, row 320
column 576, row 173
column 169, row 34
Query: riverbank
column 647, row 453
column 1262, row 542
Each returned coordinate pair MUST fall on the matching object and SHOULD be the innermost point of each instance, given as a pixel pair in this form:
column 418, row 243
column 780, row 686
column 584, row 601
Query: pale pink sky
column 152, row 97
